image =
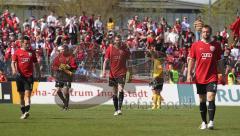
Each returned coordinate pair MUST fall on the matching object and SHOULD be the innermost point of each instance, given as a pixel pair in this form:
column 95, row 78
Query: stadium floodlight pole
column 1, row 5
column 209, row 11
column 238, row 13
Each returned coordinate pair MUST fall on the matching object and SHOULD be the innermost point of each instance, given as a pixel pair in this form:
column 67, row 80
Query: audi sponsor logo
column 206, row 55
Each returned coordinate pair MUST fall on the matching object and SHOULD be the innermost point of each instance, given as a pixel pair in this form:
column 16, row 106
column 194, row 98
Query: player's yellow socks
column 154, row 103
column 158, row 101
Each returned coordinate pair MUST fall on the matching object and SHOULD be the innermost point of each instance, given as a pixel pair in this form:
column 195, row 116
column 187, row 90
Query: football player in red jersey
column 117, row 54
column 206, row 54
column 23, row 61
column 64, row 65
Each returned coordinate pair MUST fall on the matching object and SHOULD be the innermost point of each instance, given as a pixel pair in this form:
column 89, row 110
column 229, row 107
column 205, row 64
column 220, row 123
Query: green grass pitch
column 48, row 120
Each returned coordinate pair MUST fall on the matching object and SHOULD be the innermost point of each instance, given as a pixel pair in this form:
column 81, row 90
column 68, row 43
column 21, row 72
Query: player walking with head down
column 117, row 54
column 207, row 54
column 64, row 65
column 23, row 61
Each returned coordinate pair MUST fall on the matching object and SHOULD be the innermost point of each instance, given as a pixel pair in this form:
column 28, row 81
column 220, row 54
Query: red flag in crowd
column 235, row 27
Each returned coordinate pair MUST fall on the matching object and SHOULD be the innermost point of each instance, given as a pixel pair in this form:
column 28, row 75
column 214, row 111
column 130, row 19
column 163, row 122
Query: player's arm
column 171, row 75
column 221, row 70
column 37, row 69
column 220, row 65
column 70, row 69
column 73, row 64
column 5, row 78
column 36, row 66
column 107, row 57
column 104, row 67
column 128, row 53
column 160, row 68
column 14, row 64
column 70, row 73
column 191, row 64
column 55, row 64
column 14, row 67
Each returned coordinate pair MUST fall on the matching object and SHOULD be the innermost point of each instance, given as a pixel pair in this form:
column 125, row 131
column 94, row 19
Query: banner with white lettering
column 141, row 94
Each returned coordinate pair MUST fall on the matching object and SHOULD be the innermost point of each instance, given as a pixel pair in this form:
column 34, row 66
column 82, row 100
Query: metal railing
column 90, row 68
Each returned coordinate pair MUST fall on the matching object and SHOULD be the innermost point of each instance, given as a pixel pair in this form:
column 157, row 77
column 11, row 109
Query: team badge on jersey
column 121, row 52
column 212, row 48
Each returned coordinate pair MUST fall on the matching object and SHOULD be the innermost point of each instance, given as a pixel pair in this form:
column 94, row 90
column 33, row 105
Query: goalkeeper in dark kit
column 64, row 66
column 157, row 82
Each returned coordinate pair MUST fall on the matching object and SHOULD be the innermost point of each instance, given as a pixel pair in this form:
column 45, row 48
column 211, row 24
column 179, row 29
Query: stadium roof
column 162, row 4
column 28, row 2
column 179, row 4
column 200, row 1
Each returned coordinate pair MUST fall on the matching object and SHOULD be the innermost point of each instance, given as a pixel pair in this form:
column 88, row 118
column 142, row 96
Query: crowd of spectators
column 88, row 36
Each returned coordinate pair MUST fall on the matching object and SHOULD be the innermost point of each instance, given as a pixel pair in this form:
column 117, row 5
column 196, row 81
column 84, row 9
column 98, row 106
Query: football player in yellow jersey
column 157, row 83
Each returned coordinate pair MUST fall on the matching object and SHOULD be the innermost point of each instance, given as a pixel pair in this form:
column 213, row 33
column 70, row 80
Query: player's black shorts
column 158, row 87
column 157, row 84
column 24, row 83
column 204, row 88
column 116, row 81
column 62, row 84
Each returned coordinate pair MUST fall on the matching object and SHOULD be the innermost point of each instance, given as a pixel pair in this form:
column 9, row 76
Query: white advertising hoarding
column 101, row 93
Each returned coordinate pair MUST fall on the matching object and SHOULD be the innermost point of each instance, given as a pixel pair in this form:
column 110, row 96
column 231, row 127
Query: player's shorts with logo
column 117, row 80
column 24, row 83
column 157, row 84
column 62, row 84
column 204, row 88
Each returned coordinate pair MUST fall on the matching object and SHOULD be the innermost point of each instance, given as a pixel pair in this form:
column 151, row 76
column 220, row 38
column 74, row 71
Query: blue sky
column 198, row 1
